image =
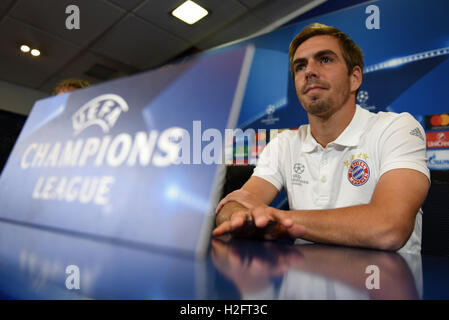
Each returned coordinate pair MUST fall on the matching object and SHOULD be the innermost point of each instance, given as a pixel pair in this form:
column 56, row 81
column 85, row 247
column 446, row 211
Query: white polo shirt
column 346, row 172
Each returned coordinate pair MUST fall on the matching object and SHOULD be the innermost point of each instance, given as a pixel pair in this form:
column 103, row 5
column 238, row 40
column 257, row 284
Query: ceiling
column 121, row 37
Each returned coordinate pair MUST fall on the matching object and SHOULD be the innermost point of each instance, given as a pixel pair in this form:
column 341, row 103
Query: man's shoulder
column 392, row 127
column 386, row 119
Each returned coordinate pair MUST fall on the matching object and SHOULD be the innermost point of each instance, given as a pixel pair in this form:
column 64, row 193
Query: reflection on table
column 33, row 264
column 283, row 271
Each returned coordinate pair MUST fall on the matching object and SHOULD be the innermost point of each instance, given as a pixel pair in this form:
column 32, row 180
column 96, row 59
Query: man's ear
column 356, row 78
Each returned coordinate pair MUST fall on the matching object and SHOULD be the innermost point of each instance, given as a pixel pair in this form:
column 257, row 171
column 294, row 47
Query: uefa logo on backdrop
column 270, row 119
column 362, row 99
column 362, row 96
column 270, row 110
column 102, row 111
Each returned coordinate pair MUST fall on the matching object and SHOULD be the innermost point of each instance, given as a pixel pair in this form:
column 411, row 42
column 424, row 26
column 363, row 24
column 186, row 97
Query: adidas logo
column 416, row 132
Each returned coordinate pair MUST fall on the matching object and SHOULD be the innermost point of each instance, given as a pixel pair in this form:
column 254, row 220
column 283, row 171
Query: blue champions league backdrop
column 130, row 159
column 406, row 70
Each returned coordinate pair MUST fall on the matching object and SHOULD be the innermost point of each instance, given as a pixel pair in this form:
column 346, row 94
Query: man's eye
column 325, row 59
column 300, row 67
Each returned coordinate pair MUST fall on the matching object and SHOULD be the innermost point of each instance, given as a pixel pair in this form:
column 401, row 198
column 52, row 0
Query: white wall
column 18, row 99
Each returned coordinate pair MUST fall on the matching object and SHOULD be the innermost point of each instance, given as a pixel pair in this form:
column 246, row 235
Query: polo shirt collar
column 349, row 137
column 309, row 144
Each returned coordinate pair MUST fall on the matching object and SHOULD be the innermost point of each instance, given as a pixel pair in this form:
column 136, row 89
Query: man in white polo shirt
column 352, row 177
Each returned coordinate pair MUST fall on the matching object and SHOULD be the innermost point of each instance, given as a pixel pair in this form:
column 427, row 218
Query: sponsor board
column 437, row 140
column 438, row 159
column 437, row 121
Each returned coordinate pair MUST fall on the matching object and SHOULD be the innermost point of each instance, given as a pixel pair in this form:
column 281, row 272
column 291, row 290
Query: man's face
column 321, row 75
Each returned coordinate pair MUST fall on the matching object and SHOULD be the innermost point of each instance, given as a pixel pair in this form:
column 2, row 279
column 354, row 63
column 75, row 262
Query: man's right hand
column 236, row 212
column 237, row 220
column 233, row 218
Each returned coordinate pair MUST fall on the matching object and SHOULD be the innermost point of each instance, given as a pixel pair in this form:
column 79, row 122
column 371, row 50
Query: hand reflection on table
column 271, row 270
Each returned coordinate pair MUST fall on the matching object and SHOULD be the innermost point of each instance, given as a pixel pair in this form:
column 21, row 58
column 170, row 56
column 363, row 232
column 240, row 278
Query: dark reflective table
column 33, row 265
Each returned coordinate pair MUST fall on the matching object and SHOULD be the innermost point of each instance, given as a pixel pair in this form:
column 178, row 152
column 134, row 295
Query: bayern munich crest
column 358, row 173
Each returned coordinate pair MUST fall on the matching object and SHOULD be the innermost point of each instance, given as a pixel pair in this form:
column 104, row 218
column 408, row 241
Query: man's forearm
column 361, row 226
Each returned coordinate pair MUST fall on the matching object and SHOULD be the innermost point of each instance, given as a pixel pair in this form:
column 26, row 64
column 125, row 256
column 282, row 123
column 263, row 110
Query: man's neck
column 326, row 129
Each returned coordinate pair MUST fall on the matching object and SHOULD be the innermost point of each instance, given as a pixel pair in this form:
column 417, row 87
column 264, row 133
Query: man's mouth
column 313, row 89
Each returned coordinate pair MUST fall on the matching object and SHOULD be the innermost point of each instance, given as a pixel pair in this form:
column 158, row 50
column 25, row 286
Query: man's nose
column 311, row 71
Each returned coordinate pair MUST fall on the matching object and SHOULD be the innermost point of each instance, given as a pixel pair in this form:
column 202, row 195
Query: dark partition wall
column 10, row 126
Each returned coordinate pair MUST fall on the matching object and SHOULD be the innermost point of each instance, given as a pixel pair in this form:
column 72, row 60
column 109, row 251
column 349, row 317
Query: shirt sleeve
column 269, row 165
column 404, row 146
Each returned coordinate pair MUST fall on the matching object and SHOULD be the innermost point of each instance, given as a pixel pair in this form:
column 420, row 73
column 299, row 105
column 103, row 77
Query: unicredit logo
column 437, row 140
column 102, row 111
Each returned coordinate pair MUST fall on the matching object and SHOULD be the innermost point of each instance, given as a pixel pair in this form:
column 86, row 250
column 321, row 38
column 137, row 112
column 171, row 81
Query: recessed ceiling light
column 189, row 12
column 25, row 48
column 35, row 52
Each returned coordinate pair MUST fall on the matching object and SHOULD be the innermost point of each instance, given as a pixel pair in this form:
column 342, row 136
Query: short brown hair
column 351, row 51
column 76, row 83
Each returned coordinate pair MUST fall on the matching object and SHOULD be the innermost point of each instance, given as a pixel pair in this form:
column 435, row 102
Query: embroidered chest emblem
column 297, row 178
column 298, row 168
column 358, row 170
